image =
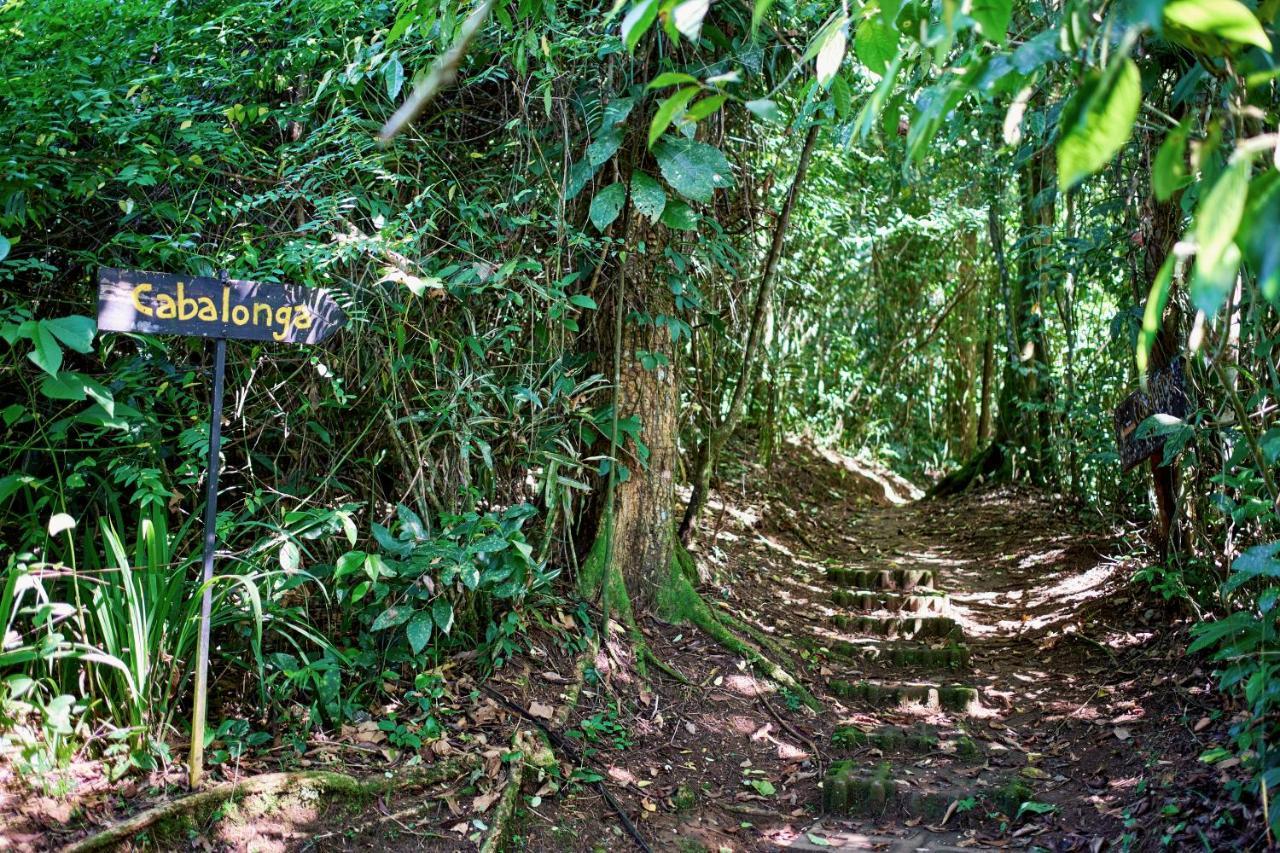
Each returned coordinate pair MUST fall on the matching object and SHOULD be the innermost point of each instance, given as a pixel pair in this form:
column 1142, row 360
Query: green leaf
column 764, row 109
column 705, row 107
column 758, row 12
column 76, row 331
column 1169, row 172
column 607, row 204
column 667, row 110
column 1226, row 19
column 47, row 355
column 993, row 18
column 875, row 43
column 647, row 195
column 830, row 56
column 1097, row 121
column 393, row 75
column 841, row 97
column 1261, row 216
column 694, row 169
column 390, row 618
column 605, row 146
column 65, row 386
column 688, row 16
column 637, row 22
column 671, row 78
column 763, row 787
column 4, row 247
column 419, row 631
column 349, row 563
column 290, row 557
column 1153, row 316
column 679, row 217
column 442, row 613
column 1217, row 219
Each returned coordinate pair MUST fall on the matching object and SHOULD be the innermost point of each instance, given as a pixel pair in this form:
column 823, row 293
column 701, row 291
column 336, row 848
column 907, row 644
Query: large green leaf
column 1097, row 121
column 604, row 146
column 442, row 614
column 667, row 111
column 1169, row 172
column 637, row 22
column 694, row 169
column 47, row 355
column 419, row 631
column 647, row 195
column 1153, row 316
column 1261, row 220
column 607, row 204
column 76, row 332
column 992, row 17
column 875, row 43
column 1226, row 19
column 1217, row 219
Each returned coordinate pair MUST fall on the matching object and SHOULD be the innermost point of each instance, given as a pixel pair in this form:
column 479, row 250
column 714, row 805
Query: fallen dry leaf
column 541, row 710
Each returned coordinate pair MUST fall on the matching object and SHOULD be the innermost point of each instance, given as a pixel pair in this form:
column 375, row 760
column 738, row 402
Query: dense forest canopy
column 617, row 248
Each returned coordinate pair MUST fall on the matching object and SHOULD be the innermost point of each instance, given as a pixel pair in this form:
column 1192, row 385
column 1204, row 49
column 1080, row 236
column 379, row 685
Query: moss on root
column 678, row 601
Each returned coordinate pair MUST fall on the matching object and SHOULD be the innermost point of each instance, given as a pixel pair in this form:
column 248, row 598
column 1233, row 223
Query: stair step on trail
column 919, row 739
column 898, row 579
column 918, row 627
column 952, row 655
column 957, row 698
column 857, row 790
column 922, row 600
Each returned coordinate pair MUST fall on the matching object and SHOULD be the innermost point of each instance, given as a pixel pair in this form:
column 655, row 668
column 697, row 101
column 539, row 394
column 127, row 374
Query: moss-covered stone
column 899, row 579
column 967, row 748
column 950, row 656
column 684, row 798
column 918, row 739
column 849, row 789
column 1010, row 796
column 920, row 627
column 920, row 602
column 949, row 698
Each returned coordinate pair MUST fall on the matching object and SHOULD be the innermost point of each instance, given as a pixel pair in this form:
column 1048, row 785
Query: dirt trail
column 975, row 693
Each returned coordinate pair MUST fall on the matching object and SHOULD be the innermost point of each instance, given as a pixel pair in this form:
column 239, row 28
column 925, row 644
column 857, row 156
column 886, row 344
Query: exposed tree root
column 985, row 463
column 503, row 818
column 679, row 601
column 318, row 781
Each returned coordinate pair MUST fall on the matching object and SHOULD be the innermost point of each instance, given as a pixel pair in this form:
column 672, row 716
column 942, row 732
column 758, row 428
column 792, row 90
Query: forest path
column 975, row 694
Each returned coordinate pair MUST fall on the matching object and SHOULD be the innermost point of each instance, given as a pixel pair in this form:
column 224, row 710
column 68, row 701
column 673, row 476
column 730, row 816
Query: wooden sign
column 163, row 304
column 1166, row 395
column 219, row 308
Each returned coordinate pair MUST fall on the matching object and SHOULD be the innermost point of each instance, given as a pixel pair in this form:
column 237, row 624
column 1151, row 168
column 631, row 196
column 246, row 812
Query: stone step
column 919, row 739
column 950, row 656
column 904, row 627
column 854, row 789
column 957, row 698
column 900, row 580
column 921, row 601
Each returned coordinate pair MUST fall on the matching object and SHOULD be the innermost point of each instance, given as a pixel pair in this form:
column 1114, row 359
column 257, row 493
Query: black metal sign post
column 218, row 308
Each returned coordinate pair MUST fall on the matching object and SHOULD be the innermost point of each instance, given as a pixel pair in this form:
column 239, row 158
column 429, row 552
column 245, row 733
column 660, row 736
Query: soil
column 982, row 682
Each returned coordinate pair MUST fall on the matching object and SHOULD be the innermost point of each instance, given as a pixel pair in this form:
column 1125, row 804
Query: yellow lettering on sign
column 262, row 309
column 240, row 315
column 166, row 307
column 302, row 317
column 208, row 312
column 284, row 314
column 138, row 304
column 187, row 308
column 226, row 303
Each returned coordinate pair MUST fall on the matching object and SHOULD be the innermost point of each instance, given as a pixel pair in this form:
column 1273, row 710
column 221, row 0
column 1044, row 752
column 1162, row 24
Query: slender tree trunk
column 718, row 436
column 988, row 375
